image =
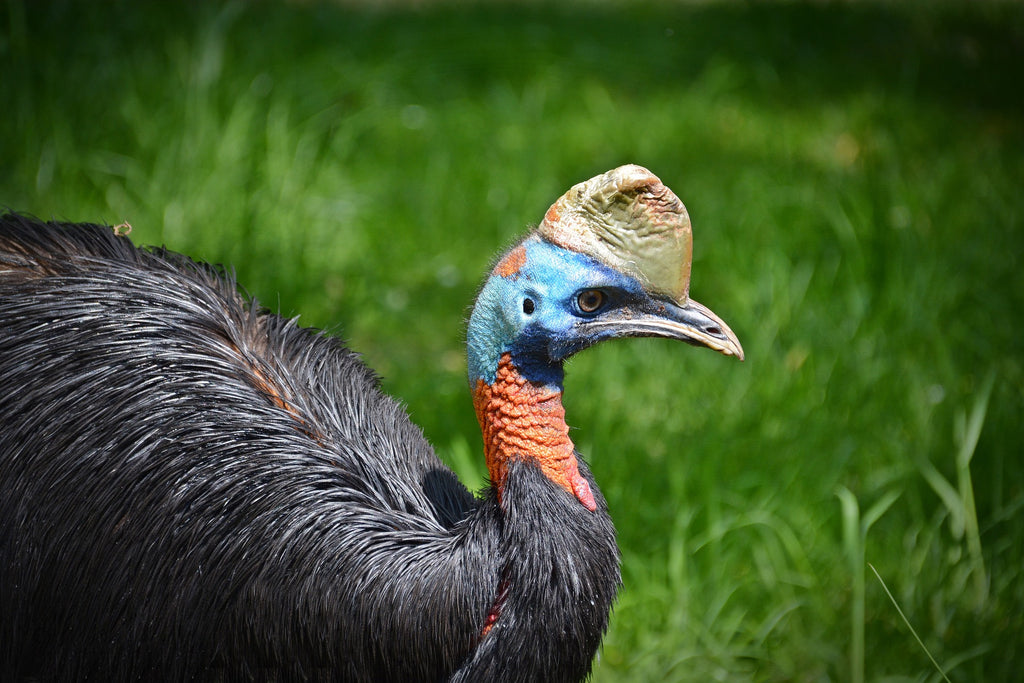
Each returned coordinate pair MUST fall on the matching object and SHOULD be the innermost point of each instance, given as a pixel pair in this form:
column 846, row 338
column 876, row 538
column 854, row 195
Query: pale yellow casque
column 627, row 219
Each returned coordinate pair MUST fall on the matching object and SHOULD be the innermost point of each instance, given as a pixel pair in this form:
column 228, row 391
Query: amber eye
column 590, row 300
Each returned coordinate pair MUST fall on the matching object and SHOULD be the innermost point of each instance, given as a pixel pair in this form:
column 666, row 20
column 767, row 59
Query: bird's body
column 194, row 489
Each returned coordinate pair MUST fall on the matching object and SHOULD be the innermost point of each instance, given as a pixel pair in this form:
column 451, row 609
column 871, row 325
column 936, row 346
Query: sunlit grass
column 853, row 173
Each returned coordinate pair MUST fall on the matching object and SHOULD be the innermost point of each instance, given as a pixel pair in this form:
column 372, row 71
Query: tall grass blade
column 909, row 626
column 968, row 437
column 855, row 532
column 853, row 543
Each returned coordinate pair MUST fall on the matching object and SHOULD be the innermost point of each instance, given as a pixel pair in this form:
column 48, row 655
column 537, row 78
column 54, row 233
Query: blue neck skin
column 499, row 325
column 504, row 322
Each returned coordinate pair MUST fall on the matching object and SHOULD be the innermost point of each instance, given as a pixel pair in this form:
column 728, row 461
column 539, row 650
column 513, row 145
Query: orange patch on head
column 519, row 419
column 553, row 214
column 512, row 262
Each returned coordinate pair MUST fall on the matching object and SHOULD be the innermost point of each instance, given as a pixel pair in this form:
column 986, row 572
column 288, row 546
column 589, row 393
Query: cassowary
column 192, row 488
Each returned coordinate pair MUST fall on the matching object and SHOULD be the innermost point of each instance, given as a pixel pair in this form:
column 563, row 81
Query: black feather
column 192, row 488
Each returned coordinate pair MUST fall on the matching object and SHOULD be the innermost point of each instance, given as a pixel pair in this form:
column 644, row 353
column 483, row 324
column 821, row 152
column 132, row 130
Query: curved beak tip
column 737, row 352
column 731, row 344
column 707, row 329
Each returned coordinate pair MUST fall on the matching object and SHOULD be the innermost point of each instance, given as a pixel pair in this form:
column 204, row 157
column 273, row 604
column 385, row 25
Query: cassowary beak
column 692, row 322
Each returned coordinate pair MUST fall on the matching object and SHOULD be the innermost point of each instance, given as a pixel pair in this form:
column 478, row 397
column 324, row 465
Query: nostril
column 714, row 329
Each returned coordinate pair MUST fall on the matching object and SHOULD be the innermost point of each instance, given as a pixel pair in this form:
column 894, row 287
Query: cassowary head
column 610, row 259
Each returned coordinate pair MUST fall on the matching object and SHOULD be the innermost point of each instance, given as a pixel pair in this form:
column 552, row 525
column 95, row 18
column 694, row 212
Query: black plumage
column 192, row 488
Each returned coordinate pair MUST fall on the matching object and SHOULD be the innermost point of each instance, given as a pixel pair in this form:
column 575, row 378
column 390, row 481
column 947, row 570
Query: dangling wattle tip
column 581, row 489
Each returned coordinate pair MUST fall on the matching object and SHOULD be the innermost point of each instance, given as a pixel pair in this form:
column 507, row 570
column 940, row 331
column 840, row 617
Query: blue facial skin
column 542, row 334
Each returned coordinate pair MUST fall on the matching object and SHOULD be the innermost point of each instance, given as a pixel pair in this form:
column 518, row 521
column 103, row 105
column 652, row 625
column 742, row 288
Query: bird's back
column 161, row 438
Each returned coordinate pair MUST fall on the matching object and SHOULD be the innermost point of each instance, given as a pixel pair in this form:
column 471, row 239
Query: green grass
column 854, row 174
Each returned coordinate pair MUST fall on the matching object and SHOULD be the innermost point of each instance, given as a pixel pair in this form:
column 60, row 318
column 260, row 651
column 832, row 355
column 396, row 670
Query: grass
column 853, row 172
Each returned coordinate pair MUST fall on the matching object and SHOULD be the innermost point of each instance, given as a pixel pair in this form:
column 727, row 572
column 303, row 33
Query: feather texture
column 192, row 488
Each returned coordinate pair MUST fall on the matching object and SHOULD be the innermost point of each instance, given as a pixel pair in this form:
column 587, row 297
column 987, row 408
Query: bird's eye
column 590, row 300
column 528, row 306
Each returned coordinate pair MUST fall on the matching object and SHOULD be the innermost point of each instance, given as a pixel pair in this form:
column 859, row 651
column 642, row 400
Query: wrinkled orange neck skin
column 521, row 420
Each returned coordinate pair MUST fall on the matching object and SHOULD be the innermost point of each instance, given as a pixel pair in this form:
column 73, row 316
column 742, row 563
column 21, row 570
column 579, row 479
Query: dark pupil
column 527, row 306
column 589, row 301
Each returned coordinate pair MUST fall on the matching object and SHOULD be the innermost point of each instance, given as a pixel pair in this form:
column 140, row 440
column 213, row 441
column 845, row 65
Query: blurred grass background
column 855, row 176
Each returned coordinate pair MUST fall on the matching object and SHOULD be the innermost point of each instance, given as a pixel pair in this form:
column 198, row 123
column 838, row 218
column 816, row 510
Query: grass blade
column 907, row 622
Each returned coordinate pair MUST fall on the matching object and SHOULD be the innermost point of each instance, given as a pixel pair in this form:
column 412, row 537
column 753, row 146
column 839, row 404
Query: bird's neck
column 525, row 420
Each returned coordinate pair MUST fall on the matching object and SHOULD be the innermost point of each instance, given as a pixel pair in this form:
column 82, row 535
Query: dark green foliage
column 854, row 176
